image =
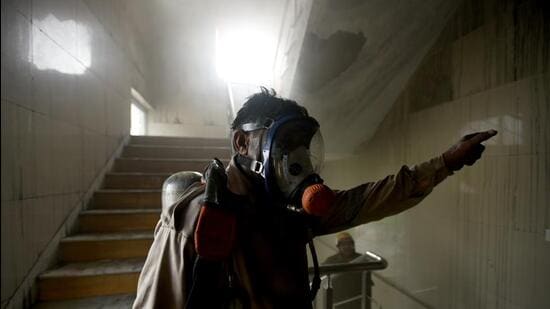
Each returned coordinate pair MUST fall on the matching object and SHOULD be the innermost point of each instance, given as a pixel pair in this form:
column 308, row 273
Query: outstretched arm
column 395, row 193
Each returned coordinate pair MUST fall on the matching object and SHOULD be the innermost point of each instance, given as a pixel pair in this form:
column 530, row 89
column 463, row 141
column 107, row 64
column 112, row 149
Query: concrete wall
column 67, row 70
column 478, row 241
column 357, row 56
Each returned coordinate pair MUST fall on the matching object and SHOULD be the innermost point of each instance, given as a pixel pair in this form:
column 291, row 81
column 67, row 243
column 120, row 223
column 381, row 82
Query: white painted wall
column 67, row 70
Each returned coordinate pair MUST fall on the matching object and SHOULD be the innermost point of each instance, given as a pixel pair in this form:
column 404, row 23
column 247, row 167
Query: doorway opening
column 137, row 120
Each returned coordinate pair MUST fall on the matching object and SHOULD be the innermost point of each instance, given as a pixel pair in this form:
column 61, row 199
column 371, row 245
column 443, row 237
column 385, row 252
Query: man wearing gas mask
column 238, row 238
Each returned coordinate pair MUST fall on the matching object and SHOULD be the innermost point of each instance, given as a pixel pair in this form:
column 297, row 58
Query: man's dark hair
column 263, row 105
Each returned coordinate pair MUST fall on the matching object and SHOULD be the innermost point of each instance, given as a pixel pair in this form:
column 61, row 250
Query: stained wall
column 67, row 70
column 478, row 241
column 356, row 57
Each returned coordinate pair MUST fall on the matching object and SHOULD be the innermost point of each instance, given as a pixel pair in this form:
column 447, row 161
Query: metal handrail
column 365, row 264
column 374, row 262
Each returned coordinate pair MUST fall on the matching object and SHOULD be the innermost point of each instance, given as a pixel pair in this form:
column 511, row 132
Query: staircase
column 100, row 264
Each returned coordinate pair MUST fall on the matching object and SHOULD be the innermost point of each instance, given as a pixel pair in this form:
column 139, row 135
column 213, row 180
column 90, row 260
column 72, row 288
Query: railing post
column 328, row 294
column 366, row 290
column 365, row 263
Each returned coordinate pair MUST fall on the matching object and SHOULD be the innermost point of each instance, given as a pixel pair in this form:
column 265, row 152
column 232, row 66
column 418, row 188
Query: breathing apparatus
column 214, row 237
column 288, row 163
column 286, row 166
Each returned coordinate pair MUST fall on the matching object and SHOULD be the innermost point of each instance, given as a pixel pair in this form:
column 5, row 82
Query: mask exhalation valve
column 317, row 199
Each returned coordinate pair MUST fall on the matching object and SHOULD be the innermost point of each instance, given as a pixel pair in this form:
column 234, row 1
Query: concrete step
column 120, row 301
column 135, row 180
column 126, row 199
column 180, row 141
column 89, row 279
column 90, row 247
column 141, row 165
column 118, row 220
column 156, row 151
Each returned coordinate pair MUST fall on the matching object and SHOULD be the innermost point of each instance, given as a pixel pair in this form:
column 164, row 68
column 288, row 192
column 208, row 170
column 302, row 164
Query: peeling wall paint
column 349, row 84
column 327, row 58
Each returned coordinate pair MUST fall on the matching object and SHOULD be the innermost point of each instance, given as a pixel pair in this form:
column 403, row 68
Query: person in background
column 346, row 285
column 346, row 250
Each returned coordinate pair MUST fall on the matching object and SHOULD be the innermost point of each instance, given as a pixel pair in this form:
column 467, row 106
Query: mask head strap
column 245, row 162
column 250, row 164
column 253, row 126
column 272, row 126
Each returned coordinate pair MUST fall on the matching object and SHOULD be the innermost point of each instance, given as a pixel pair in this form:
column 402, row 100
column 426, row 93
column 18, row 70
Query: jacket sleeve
column 376, row 200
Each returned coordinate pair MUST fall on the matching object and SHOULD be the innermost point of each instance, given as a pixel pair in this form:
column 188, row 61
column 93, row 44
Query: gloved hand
column 467, row 151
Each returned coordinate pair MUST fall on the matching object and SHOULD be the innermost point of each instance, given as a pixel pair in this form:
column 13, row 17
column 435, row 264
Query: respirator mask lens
column 297, row 153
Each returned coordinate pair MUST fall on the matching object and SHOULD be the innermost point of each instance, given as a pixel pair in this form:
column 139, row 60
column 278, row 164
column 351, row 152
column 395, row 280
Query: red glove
column 467, row 151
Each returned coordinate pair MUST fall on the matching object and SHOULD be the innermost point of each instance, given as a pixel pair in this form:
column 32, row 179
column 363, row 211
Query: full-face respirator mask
column 288, row 163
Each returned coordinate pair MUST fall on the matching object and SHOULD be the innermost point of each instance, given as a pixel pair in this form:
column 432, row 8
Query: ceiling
column 179, row 41
column 356, row 57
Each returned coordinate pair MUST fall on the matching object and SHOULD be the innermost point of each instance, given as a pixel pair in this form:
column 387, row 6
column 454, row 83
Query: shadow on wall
column 327, row 58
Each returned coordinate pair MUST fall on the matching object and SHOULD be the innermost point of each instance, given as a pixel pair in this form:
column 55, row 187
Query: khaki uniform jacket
column 270, row 260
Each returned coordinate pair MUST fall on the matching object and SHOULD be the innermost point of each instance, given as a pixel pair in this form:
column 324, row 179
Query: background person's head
column 345, row 244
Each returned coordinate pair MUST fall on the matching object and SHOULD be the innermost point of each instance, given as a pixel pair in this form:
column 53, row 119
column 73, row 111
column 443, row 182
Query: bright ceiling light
column 245, row 56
